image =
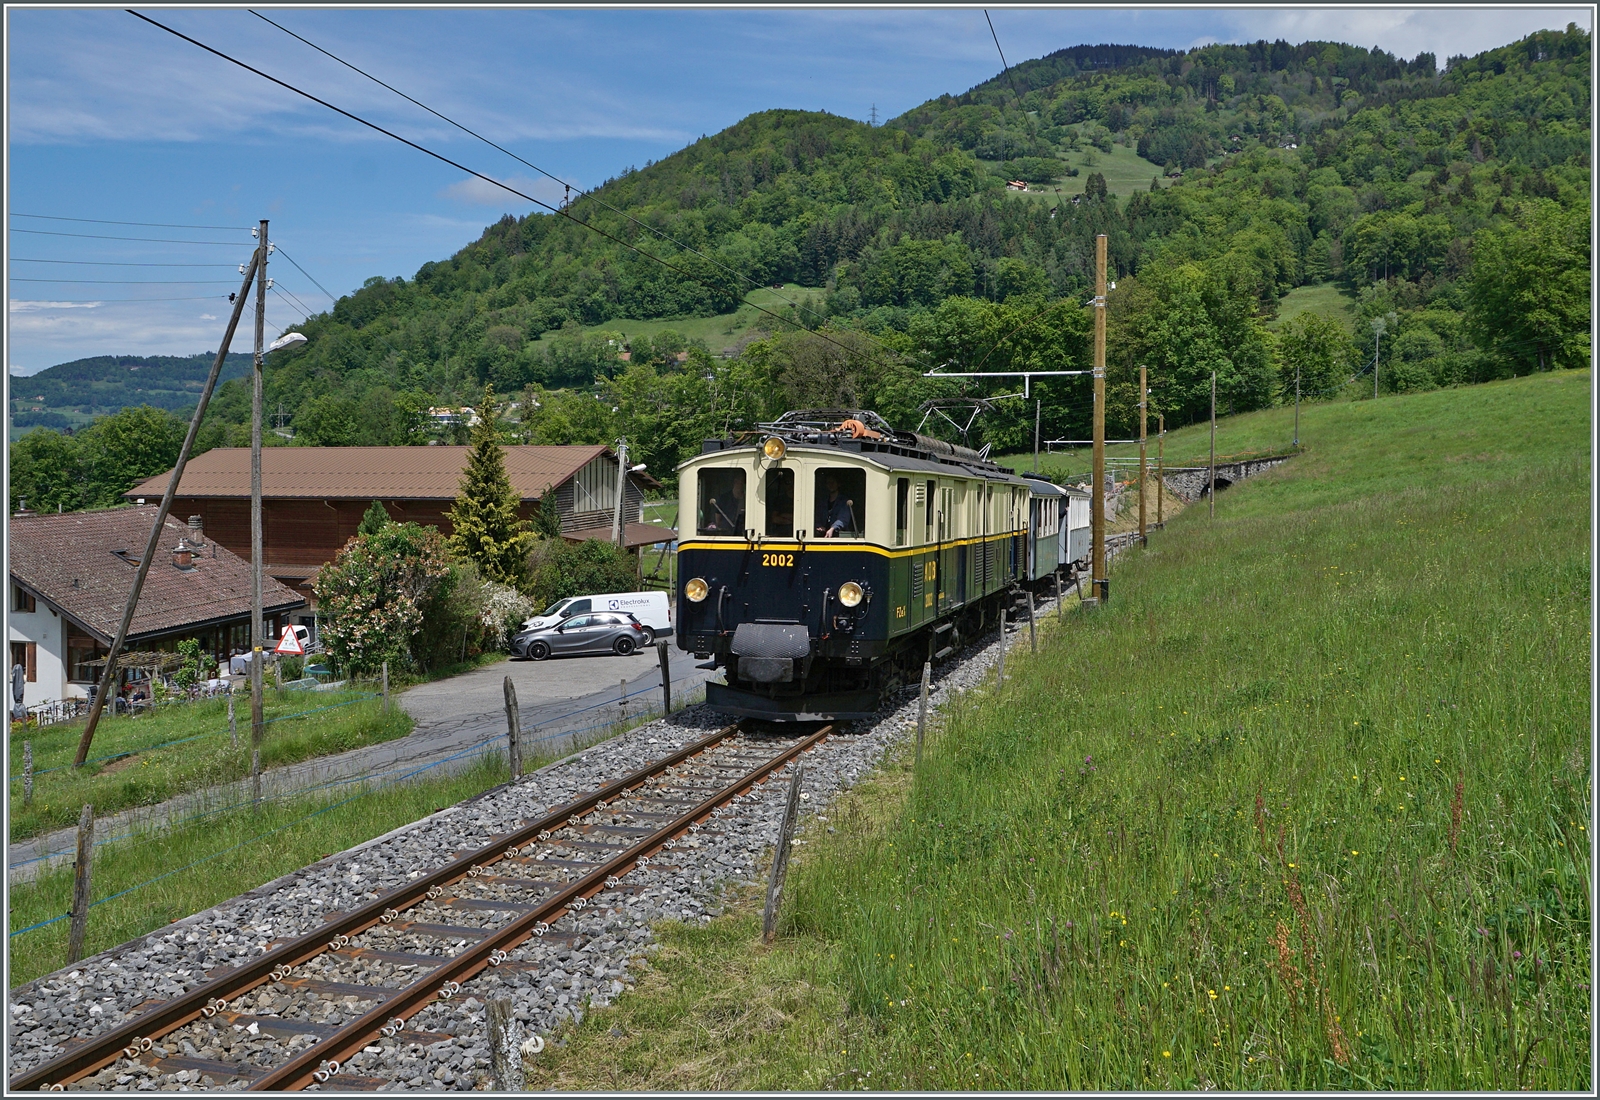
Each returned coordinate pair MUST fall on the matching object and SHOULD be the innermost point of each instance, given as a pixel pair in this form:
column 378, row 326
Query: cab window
column 841, row 503
column 721, row 502
column 780, row 504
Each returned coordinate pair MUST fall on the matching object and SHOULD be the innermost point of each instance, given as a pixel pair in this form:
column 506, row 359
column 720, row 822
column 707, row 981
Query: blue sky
column 110, row 118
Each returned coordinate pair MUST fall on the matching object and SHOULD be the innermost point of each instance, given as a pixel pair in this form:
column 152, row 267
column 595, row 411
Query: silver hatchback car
column 605, row 632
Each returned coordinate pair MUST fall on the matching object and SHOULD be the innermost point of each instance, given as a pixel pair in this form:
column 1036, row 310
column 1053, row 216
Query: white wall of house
column 45, row 628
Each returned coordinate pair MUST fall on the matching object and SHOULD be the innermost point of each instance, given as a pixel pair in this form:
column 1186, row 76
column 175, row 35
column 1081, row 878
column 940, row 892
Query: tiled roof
column 72, row 561
column 365, row 473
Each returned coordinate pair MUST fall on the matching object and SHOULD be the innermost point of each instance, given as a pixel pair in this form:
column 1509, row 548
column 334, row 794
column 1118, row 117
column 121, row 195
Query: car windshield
column 551, row 610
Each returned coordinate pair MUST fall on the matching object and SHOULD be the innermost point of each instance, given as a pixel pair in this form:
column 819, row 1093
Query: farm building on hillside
column 313, row 498
column 70, row 578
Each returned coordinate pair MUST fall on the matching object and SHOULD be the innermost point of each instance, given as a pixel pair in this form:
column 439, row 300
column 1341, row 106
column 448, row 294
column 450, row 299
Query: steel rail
column 159, row 1020
column 489, row 951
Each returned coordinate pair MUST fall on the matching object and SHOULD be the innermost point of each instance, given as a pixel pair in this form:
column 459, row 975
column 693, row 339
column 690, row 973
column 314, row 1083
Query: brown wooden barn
column 313, row 498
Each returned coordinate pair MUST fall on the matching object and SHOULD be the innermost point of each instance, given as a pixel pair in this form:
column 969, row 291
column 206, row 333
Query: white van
column 650, row 608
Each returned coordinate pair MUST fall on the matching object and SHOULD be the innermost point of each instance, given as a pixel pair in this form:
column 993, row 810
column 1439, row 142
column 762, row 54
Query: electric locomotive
column 825, row 557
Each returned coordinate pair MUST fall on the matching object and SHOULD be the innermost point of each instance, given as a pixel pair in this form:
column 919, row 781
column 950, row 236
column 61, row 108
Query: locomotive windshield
column 780, row 503
column 841, row 503
column 721, row 502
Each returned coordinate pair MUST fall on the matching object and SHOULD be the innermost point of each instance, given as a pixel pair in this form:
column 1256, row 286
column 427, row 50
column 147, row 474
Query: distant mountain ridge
column 69, row 394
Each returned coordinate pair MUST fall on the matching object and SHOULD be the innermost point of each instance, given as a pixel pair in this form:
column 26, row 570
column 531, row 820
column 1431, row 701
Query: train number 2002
column 777, row 559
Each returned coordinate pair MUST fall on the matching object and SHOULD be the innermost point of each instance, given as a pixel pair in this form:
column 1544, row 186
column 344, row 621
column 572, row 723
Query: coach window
column 841, row 503
column 721, row 502
column 902, row 509
column 780, row 503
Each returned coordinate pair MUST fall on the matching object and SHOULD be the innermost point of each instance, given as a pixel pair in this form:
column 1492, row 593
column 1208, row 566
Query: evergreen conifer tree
column 487, row 527
column 373, row 519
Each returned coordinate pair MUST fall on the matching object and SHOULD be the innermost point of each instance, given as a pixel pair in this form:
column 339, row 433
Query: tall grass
column 146, row 770
column 1307, row 806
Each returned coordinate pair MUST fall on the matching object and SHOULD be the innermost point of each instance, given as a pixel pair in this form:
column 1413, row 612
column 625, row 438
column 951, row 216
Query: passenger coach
column 831, row 555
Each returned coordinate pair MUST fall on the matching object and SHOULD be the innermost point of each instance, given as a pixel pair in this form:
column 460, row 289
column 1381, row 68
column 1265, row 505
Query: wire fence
column 380, row 779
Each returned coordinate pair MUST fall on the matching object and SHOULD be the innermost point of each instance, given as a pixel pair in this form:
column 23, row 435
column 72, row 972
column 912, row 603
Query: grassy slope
column 725, row 329
column 1124, row 169
column 1324, row 298
column 1306, row 806
column 150, row 774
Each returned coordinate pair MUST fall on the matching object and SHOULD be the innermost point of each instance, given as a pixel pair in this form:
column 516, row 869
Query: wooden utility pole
column 1211, row 494
column 386, row 687
column 1297, row 405
column 505, row 1041
column 108, row 680
column 617, row 525
column 1144, row 397
column 513, row 730
column 1097, row 519
column 258, row 651
column 922, row 710
column 780, row 857
column 80, row 886
column 1161, row 467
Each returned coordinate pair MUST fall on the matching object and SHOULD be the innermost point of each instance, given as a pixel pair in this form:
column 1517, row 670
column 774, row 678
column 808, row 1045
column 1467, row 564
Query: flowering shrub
column 504, row 610
column 371, row 596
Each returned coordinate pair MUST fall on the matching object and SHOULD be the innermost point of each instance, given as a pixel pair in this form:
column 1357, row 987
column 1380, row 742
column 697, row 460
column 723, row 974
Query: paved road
column 560, row 703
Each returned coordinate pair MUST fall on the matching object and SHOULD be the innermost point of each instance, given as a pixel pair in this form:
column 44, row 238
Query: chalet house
column 70, row 578
column 313, row 498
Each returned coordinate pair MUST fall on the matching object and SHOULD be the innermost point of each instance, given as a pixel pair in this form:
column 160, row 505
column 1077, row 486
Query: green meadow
column 1307, row 805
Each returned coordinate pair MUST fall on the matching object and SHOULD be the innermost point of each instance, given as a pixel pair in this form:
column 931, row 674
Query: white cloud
column 479, row 192
column 208, row 317
column 18, row 305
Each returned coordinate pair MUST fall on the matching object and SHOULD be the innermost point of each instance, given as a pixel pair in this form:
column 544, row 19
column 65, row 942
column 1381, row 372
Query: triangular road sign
column 290, row 643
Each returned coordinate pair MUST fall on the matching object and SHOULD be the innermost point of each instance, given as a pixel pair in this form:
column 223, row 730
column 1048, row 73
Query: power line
column 104, row 237
column 291, row 299
column 142, row 282
column 1004, row 66
column 550, row 175
column 107, row 221
column 306, row 273
column 105, row 263
column 104, row 301
column 487, row 179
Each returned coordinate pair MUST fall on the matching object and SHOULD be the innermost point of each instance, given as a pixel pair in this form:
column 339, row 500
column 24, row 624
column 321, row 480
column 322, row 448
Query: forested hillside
column 74, row 392
column 1449, row 207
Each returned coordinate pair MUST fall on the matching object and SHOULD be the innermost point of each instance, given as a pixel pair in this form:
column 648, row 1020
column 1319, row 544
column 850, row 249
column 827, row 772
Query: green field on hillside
column 1124, row 169
column 1324, row 298
column 724, row 330
column 1307, row 805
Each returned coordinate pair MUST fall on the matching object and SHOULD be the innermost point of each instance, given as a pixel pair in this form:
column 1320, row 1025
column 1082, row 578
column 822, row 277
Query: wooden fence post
column 27, row 773
column 386, row 687
column 80, row 886
column 1033, row 633
column 1060, row 612
column 233, row 726
column 513, row 729
column 505, row 1054
column 780, row 857
column 666, row 677
column 1000, row 666
column 922, row 709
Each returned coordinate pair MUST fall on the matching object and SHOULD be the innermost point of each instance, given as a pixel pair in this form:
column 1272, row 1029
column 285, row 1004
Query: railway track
column 301, row 1013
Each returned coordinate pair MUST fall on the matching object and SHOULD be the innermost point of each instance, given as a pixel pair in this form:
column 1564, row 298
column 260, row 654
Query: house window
column 26, row 654
column 21, row 600
column 81, row 649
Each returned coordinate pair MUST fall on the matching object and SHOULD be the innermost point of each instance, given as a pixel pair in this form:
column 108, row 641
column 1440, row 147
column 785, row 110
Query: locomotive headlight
column 850, row 593
column 696, row 590
column 774, row 448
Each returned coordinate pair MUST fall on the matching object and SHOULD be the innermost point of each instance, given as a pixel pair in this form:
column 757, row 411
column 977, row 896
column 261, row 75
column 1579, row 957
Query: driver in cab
column 835, row 513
